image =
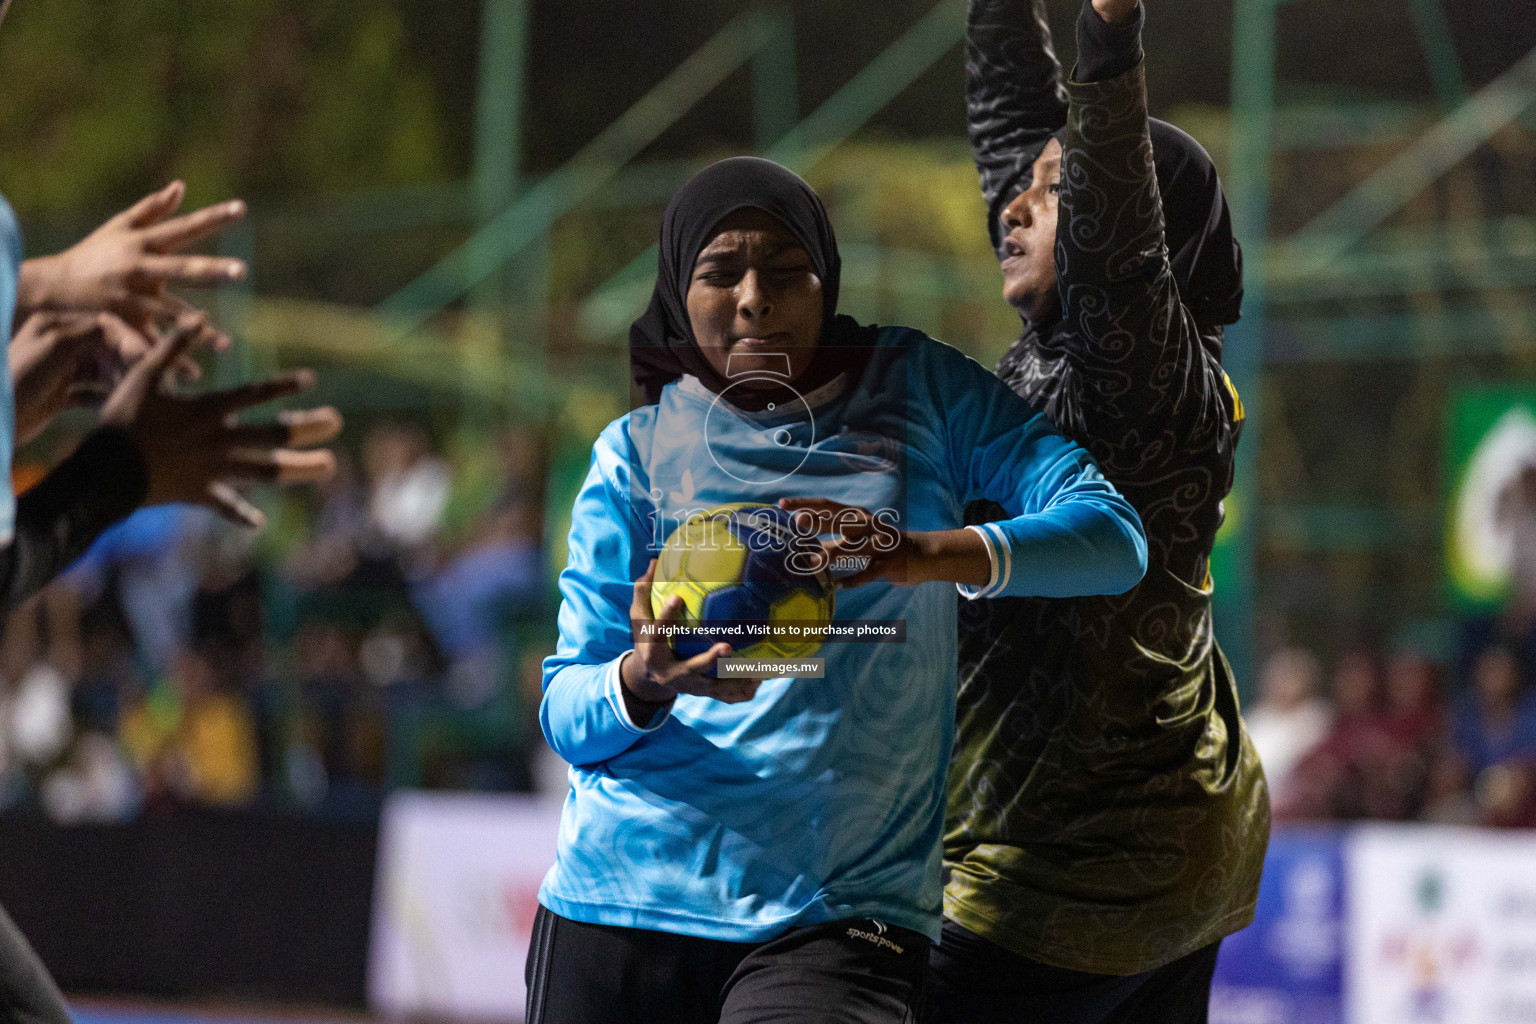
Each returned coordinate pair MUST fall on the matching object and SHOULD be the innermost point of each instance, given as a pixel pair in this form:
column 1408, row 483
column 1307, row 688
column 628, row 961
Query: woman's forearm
column 951, row 556
column 29, row 291
column 1014, row 96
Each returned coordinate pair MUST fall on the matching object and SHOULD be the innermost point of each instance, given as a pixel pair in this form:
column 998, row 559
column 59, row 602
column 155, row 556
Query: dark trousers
column 27, row 992
column 845, row 972
column 973, row 981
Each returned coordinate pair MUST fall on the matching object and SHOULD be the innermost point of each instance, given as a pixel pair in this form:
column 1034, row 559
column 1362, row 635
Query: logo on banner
column 1430, row 953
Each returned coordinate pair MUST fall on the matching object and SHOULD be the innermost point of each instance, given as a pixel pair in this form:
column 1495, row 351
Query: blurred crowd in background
column 1413, row 731
column 1400, row 735
column 384, row 631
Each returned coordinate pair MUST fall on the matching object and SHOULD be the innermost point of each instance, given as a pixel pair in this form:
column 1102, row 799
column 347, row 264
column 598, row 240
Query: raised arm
column 126, row 264
column 1014, row 98
column 1152, row 390
column 158, row 447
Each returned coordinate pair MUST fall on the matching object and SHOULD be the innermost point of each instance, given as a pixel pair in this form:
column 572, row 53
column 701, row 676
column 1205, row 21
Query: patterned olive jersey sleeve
column 1150, row 389
column 1014, row 97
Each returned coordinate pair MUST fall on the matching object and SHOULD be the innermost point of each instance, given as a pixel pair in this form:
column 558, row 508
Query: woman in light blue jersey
column 738, row 850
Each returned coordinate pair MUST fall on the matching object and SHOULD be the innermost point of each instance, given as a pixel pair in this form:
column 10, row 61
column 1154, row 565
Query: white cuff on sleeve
column 1001, row 557
column 616, row 699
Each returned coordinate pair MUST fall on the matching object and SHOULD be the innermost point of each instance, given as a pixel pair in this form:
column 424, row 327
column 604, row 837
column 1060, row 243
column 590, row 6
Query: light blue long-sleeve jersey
column 819, row 799
column 10, row 274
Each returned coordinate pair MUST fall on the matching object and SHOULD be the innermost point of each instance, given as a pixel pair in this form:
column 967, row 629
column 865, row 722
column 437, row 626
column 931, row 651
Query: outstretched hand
column 193, row 447
column 126, row 264
column 63, row 359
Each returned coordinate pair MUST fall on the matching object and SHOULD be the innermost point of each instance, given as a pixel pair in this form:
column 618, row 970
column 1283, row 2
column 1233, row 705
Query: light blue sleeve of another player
column 583, row 713
column 1072, row 533
column 10, row 272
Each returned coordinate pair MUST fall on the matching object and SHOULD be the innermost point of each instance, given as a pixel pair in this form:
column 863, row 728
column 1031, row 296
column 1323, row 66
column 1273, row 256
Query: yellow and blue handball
column 746, row 564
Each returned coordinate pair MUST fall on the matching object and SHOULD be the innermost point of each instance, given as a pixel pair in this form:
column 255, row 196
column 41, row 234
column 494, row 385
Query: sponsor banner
column 1490, row 449
column 454, row 902
column 1442, row 926
column 1386, row 924
column 1287, row 967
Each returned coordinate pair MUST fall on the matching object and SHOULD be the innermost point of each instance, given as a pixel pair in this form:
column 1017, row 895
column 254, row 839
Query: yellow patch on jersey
column 1238, row 412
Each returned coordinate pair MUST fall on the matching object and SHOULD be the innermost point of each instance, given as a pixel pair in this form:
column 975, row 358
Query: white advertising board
column 1442, row 926
column 1439, row 923
column 455, row 896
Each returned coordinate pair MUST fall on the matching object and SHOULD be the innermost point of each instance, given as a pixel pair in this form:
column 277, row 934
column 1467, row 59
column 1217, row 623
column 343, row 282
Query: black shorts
column 974, row 981
column 844, row 972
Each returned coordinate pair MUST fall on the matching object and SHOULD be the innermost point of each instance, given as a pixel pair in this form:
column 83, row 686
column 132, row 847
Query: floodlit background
column 451, row 213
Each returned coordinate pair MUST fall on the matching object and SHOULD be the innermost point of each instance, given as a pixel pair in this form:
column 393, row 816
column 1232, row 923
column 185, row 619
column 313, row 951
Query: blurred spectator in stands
column 343, row 504
column 1413, row 720
column 226, row 618
column 145, row 564
column 334, row 752
column 408, row 488
column 96, row 781
column 1516, row 513
column 1289, row 719
column 1449, row 800
column 172, row 667
column 325, row 662
column 400, row 649
column 473, row 601
column 339, row 533
column 193, row 736
column 1361, row 769
column 109, row 670
column 216, row 743
column 495, row 581
column 41, row 662
column 1496, row 719
column 353, row 574
column 1486, row 776
column 1414, row 713
column 1506, row 795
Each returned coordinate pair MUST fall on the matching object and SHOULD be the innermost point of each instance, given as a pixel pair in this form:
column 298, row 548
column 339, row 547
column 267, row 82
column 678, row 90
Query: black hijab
column 1197, row 225
column 1207, row 261
column 661, row 343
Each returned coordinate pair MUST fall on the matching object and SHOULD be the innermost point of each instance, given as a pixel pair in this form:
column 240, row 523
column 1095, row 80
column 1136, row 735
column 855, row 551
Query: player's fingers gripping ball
column 746, row 564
